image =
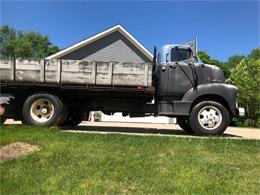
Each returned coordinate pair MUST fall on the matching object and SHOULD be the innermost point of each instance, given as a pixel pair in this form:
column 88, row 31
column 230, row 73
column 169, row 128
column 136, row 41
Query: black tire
column 183, row 123
column 2, row 120
column 35, row 104
column 213, row 122
column 64, row 113
column 74, row 117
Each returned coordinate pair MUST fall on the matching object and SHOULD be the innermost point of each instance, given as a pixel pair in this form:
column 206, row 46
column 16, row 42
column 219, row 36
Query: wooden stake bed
column 76, row 73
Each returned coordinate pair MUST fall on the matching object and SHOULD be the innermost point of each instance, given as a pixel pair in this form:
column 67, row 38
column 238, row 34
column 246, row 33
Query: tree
column 7, row 41
column 233, row 61
column 246, row 76
column 53, row 49
column 204, row 56
column 255, row 54
column 22, row 49
column 24, row 44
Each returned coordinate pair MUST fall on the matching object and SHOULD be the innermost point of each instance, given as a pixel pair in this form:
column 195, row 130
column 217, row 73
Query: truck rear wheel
column 74, row 118
column 183, row 123
column 42, row 109
column 2, row 120
column 209, row 118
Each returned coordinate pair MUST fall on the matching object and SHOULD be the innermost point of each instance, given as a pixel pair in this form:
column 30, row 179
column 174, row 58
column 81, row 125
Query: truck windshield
column 178, row 54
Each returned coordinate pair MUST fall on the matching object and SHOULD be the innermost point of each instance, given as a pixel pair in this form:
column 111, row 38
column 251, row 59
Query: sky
column 223, row 28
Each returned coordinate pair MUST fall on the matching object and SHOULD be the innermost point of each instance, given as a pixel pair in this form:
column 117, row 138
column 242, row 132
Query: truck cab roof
column 165, row 50
column 168, row 46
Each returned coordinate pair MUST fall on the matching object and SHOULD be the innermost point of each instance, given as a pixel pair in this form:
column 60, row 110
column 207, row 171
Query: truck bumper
column 240, row 111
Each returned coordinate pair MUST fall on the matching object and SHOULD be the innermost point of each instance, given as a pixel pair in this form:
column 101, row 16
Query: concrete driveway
column 144, row 129
column 156, row 129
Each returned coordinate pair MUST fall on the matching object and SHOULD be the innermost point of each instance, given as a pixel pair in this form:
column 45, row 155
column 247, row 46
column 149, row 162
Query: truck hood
column 215, row 73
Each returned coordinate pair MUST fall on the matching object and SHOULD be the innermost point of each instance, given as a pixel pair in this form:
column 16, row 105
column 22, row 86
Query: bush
column 244, row 122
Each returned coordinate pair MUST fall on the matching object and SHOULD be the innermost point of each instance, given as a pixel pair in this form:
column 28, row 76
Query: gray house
column 113, row 44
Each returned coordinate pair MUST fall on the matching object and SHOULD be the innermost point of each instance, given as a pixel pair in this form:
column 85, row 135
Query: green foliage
column 53, row 49
column 244, row 122
column 7, row 41
column 22, row 48
column 24, row 44
column 204, row 56
column 233, row 61
column 246, row 76
column 255, row 54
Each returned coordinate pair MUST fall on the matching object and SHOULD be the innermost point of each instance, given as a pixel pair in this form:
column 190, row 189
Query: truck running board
column 174, row 108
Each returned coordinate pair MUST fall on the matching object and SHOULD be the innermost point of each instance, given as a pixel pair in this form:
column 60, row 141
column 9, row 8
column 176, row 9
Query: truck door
column 178, row 81
column 175, row 76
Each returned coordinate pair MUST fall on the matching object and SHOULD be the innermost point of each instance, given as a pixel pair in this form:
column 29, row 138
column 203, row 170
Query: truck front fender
column 213, row 90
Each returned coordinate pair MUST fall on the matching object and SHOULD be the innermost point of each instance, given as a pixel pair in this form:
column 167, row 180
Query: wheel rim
column 42, row 110
column 210, row 117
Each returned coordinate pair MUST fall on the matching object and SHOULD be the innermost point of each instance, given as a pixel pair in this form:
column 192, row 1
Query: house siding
column 114, row 47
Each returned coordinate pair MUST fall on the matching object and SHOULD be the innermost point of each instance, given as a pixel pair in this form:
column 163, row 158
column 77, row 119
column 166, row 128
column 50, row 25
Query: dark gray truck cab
column 183, row 82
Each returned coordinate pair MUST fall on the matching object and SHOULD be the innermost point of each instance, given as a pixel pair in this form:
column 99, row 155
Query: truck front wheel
column 209, row 118
column 42, row 109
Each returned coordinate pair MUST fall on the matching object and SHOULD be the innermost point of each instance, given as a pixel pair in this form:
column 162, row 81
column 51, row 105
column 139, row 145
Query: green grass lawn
column 94, row 163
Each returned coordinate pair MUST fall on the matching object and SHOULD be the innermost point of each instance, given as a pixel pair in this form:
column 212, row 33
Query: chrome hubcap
column 210, row 117
column 42, row 110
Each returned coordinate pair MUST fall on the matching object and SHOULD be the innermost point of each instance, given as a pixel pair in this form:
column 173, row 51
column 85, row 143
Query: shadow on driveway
column 133, row 130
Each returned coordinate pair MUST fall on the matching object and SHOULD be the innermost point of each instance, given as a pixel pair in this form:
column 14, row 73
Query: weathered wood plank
column 52, row 71
column 6, row 69
column 110, row 73
column 28, row 70
column 146, row 74
column 102, row 74
column 76, row 71
column 94, row 72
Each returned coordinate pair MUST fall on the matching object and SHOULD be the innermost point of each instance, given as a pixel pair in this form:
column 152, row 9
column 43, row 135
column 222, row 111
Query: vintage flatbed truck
column 177, row 84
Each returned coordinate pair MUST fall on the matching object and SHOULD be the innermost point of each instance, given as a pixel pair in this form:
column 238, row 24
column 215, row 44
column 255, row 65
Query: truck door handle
column 163, row 68
column 173, row 66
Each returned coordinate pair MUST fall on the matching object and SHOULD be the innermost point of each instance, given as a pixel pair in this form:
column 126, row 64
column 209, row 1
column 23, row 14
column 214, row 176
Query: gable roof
column 98, row 36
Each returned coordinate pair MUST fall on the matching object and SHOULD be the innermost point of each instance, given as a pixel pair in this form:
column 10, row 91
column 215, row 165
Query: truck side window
column 178, row 54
